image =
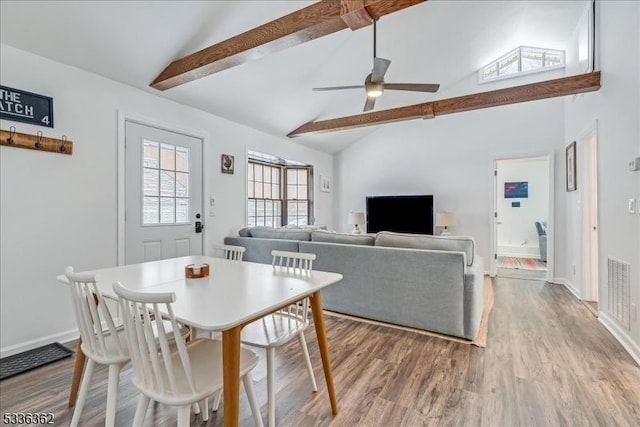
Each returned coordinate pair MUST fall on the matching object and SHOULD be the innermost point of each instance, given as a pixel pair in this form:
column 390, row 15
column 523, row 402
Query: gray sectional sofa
column 428, row 282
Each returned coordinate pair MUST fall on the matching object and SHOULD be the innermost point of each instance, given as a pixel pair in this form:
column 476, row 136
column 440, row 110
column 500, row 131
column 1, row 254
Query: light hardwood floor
column 548, row 362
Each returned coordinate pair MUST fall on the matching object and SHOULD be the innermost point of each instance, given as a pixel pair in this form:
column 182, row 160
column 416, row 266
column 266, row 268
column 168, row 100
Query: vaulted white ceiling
column 442, row 42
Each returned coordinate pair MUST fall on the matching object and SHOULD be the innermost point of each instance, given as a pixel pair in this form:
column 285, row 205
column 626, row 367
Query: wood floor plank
column 548, row 362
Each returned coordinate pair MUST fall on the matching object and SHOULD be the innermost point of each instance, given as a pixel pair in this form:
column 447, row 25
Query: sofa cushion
column 348, row 239
column 244, row 232
column 279, row 233
column 425, row 241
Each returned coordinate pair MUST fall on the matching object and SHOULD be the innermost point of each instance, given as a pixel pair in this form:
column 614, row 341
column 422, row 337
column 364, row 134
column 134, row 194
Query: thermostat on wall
column 634, row 164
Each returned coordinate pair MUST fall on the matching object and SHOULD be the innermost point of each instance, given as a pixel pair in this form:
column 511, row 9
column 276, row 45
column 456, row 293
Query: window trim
column 283, row 166
column 518, row 50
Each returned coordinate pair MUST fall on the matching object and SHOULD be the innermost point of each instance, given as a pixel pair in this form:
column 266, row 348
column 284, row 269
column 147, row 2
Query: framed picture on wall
column 227, row 164
column 571, row 166
column 325, row 184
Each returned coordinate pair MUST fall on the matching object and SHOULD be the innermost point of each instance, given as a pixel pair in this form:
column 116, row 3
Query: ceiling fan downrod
column 374, row 38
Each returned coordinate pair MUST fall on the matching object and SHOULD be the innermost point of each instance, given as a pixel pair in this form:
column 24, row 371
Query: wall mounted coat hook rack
column 11, row 138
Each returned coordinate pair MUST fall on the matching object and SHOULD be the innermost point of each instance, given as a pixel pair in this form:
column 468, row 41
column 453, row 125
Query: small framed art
column 325, row 184
column 571, row 166
column 226, row 164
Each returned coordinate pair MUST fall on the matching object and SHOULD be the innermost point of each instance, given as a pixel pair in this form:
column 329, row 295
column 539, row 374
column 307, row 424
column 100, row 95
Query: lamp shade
column 445, row 219
column 356, row 218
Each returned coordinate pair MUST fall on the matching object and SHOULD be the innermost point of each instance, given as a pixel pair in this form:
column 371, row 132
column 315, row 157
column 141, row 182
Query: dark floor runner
column 31, row 359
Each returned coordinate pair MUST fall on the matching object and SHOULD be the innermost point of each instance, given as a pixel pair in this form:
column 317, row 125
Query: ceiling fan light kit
column 374, row 89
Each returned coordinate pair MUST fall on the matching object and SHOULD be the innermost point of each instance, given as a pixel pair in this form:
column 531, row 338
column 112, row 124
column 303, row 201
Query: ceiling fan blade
column 371, row 102
column 416, row 87
column 338, row 87
column 380, row 66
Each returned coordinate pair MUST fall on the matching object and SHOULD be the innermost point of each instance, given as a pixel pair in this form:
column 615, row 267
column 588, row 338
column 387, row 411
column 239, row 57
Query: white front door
column 163, row 194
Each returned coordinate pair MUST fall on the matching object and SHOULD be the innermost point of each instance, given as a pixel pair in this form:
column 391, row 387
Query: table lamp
column 355, row 219
column 446, row 220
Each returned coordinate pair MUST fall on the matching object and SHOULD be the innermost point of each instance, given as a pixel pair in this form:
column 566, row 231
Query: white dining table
column 232, row 296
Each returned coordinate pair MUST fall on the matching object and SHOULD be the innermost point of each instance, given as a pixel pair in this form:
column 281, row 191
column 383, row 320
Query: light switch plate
column 632, row 206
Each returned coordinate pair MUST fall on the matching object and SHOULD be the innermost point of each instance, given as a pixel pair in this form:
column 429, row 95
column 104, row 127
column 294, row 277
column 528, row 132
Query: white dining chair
column 279, row 328
column 102, row 341
column 180, row 375
column 231, row 252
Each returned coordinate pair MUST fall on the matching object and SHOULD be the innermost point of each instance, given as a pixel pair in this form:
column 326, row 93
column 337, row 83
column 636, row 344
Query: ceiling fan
column 374, row 84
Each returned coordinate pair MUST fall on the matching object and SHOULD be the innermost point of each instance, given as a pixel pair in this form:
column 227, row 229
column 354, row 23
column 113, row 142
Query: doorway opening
column 522, row 217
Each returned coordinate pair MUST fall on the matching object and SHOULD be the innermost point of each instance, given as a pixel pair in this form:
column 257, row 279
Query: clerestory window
column 522, row 60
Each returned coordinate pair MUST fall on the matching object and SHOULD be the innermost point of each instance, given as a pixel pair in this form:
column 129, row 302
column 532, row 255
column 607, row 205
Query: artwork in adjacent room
column 325, row 184
column 516, row 190
column 571, row 166
column 227, row 164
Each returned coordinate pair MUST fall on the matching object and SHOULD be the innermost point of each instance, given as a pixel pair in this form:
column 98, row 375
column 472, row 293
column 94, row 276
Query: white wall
column 616, row 110
column 451, row 157
column 517, row 235
column 59, row 210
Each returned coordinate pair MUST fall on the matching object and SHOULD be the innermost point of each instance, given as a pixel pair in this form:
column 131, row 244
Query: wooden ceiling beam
column 354, row 14
column 581, row 83
column 314, row 21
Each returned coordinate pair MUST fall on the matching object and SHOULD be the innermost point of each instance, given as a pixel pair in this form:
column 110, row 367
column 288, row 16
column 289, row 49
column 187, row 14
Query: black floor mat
column 31, row 359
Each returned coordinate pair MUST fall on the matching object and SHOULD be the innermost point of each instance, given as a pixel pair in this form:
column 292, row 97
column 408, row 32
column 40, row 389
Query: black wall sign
column 21, row 106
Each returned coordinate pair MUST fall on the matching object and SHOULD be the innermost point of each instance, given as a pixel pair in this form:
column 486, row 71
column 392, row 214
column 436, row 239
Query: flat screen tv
column 402, row 214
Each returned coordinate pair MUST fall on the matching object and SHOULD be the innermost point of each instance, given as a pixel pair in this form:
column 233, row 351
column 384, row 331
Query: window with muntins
column 165, row 184
column 522, row 60
column 279, row 192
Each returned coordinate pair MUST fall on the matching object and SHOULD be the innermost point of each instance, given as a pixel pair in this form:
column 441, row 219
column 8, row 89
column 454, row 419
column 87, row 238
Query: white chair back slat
column 95, row 322
column 230, row 252
column 297, row 263
column 151, row 352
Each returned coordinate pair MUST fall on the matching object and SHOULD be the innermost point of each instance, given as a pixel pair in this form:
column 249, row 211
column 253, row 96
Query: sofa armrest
column 473, row 297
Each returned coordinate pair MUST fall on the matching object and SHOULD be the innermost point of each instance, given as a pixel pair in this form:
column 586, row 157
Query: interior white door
column 589, row 194
column 163, row 194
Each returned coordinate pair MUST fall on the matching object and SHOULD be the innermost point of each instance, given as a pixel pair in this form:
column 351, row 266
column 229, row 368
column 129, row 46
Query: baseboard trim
column 567, row 284
column 622, row 336
column 28, row 345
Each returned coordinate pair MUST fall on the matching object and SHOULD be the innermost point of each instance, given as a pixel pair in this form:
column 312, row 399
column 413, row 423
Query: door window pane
column 150, row 210
column 167, row 210
column 182, row 159
column 167, row 183
column 182, row 184
column 166, row 174
column 150, row 154
column 151, row 182
column 167, row 157
column 182, row 211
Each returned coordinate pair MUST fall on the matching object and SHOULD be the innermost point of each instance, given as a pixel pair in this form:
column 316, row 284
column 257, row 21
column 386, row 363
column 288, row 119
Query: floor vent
column 618, row 284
